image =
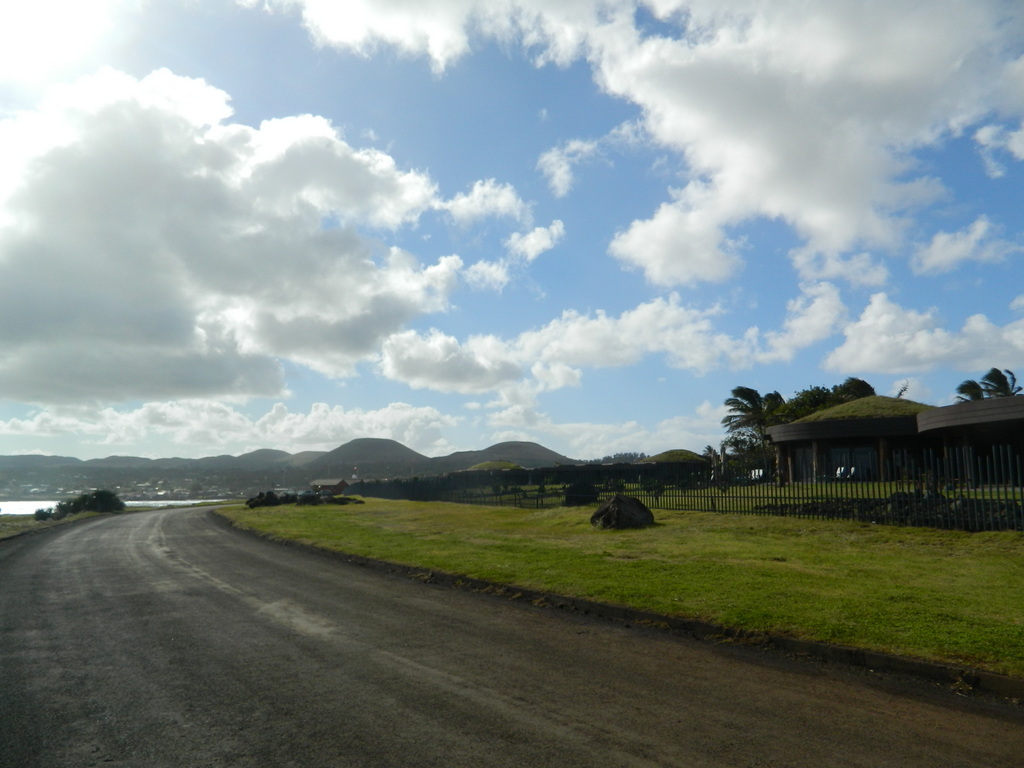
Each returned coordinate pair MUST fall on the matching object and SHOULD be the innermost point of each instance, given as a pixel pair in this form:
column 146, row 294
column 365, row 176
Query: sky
column 228, row 225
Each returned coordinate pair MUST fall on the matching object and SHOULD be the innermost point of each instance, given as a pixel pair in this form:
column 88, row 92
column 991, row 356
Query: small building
column 977, row 424
column 867, row 439
column 853, row 441
column 332, row 485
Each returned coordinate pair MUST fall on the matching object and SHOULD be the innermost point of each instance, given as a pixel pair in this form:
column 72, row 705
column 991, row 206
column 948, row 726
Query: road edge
column 960, row 679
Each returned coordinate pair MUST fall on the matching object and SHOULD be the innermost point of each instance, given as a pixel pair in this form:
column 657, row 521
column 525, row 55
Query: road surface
column 167, row 639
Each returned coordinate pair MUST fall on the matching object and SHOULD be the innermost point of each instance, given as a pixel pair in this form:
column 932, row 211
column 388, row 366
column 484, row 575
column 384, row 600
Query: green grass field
column 13, row 525
column 946, row 596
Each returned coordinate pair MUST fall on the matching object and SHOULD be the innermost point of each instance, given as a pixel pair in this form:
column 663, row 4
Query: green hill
column 673, row 457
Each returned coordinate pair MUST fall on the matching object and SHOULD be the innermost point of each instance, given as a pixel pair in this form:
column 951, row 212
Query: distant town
column 238, row 477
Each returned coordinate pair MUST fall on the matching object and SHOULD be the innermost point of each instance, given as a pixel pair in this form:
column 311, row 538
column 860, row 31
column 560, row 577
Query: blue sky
column 288, row 224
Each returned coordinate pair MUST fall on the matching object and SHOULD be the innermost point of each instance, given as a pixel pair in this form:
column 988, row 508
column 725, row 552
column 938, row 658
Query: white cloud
column 441, row 29
column 440, row 362
column 859, row 269
column 555, row 355
column 488, row 275
column 780, row 112
column 486, row 198
column 993, row 140
column 805, row 117
column 301, row 166
column 557, row 164
column 948, row 250
column 593, row 440
column 532, row 244
column 436, row 28
column 203, row 427
column 811, row 318
column 39, row 39
column 680, row 245
column 888, row 338
column 191, row 253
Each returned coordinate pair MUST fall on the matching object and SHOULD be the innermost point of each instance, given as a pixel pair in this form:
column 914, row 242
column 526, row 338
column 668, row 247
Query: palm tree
column 750, row 416
column 750, row 411
column 852, row 389
column 995, row 383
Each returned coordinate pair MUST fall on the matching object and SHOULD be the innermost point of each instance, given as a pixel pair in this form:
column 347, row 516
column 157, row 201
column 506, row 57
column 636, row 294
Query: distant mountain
column 34, row 461
column 370, row 457
column 267, row 458
column 305, row 457
column 119, row 462
column 254, row 461
column 522, row 453
column 375, row 457
column 363, row 458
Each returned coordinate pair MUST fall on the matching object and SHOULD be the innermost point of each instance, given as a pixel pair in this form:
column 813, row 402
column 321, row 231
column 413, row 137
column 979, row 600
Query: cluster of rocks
column 272, row 499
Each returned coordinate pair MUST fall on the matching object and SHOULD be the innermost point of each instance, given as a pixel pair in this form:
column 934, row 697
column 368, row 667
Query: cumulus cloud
column 592, row 440
column 40, row 38
column 203, row 427
column 523, row 248
column 680, row 244
column 143, row 234
column 947, row 250
column 488, row 275
column 486, row 198
column 440, row 362
column 858, row 269
column 888, row 338
column 539, row 240
column 555, row 355
column 809, row 118
column 993, row 141
column 441, row 30
column 557, row 164
column 811, row 318
column 803, row 117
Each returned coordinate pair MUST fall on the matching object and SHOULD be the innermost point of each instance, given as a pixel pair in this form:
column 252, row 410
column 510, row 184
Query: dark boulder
column 622, row 512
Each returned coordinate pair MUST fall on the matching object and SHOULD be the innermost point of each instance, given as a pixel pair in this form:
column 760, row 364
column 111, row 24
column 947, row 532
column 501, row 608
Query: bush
column 95, row 501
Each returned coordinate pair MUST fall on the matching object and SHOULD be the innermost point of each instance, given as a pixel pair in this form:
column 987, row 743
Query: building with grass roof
column 873, row 438
column 854, row 440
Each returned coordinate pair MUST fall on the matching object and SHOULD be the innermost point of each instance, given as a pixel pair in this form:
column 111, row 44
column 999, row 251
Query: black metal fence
column 964, row 489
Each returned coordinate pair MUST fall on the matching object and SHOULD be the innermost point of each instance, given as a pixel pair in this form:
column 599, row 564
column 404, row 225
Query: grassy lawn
column 947, row 596
column 12, row 525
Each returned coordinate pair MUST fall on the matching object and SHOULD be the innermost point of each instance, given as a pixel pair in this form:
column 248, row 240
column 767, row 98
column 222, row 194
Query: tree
column 852, row 389
column 804, row 403
column 95, row 501
column 995, row 383
column 750, row 415
column 751, row 412
column 813, row 399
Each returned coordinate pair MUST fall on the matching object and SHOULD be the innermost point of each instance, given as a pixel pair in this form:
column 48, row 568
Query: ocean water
column 24, row 507
column 30, row 507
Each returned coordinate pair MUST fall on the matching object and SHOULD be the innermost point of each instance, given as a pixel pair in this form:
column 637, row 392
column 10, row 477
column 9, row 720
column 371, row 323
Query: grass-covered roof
column 874, row 407
column 676, row 456
column 495, row 465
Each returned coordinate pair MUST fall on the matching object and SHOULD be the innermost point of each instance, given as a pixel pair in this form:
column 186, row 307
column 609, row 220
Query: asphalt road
column 166, row 639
